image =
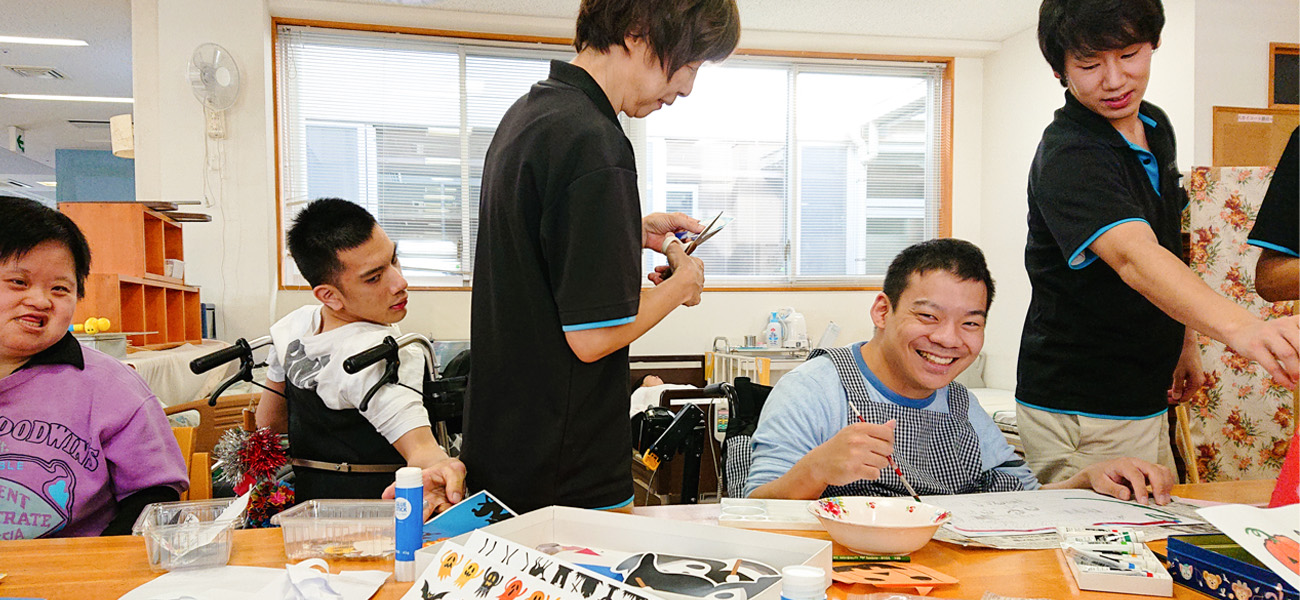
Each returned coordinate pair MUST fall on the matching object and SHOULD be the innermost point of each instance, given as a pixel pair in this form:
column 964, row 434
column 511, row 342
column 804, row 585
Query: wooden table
column 108, row 567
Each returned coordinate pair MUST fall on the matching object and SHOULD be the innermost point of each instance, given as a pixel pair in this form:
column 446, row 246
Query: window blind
column 828, row 167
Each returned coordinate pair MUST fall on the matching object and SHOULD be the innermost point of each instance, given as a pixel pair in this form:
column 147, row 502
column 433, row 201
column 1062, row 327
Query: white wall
column 1020, row 96
column 1213, row 53
column 1232, row 38
column 233, row 258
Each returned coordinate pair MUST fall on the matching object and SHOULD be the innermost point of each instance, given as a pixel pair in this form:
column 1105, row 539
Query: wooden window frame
column 946, row 129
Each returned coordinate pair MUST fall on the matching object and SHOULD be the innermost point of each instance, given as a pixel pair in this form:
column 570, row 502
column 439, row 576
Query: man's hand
column 1188, row 375
column 444, row 486
column 687, row 271
column 1123, row 478
column 859, row 451
column 1274, row 344
column 655, row 227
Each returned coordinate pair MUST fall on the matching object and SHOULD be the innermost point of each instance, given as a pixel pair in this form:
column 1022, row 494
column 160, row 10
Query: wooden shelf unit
column 129, row 246
column 127, row 238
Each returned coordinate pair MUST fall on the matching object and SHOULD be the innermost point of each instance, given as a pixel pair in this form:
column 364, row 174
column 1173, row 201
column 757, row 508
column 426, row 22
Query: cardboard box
column 1217, row 566
column 632, row 533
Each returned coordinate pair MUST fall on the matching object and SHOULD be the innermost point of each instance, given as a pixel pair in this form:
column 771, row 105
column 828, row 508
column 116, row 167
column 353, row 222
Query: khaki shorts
column 1058, row 445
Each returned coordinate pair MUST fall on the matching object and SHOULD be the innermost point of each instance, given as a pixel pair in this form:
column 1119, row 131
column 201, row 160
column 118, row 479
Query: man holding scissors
column 557, row 296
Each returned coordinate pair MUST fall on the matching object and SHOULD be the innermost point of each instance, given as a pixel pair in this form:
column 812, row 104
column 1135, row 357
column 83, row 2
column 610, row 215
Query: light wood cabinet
column 129, row 284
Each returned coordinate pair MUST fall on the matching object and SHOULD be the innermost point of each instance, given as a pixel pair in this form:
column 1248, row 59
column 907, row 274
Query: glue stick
column 409, row 512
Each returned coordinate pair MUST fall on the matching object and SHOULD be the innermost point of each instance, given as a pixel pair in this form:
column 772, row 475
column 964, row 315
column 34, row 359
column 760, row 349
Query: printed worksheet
column 1042, row 511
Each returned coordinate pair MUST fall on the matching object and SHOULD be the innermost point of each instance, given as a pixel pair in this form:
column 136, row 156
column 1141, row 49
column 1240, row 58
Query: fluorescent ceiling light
column 9, row 39
column 48, row 183
column 67, row 98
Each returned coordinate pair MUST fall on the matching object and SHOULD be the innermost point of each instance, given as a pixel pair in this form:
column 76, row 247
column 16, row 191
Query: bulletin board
column 1252, row 137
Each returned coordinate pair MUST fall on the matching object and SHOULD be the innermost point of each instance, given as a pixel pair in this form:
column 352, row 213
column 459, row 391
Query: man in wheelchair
column 830, row 426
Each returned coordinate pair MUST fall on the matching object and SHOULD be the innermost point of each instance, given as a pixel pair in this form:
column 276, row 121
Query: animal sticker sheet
column 1271, row 535
column 459, row 573
column 691, row 576
column 477, row 511
column 488, row 566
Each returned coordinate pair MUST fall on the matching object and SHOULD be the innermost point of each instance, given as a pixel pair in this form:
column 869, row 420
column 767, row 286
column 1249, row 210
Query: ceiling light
column 66, row 98
column 9, row 39
column 48, row 183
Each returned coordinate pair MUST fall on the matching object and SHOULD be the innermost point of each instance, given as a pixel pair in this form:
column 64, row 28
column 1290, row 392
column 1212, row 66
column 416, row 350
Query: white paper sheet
column 251, row 583
column 1266, row 533
column 1042, row 511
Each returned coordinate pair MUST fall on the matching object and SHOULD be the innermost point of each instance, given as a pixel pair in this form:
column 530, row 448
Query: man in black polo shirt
column 1277, row 227
column 1104, row 347
column 557, row 295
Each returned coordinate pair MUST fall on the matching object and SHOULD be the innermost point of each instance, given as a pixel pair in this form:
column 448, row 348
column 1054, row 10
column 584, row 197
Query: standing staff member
column 1109, row 343
column 557, row 297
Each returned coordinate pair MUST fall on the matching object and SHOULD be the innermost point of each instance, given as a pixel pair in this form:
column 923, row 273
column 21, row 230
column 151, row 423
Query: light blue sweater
column 809, row 406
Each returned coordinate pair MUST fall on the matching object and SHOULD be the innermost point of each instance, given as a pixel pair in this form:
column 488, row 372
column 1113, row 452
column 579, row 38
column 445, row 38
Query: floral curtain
column 1241, row 422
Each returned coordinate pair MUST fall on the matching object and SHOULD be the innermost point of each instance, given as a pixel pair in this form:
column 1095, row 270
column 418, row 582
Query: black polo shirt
column 1278, row 225
column 559, row 248
column 1092, row 345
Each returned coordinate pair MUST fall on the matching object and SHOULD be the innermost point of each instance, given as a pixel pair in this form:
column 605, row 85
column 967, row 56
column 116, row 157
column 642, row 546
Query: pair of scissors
column 709, row 232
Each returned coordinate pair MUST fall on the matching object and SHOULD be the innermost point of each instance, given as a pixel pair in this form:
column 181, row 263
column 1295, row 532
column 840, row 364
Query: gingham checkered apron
column 939, row 453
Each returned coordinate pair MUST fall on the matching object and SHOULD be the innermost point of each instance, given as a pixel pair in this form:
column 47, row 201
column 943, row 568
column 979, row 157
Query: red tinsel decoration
column 262, row 456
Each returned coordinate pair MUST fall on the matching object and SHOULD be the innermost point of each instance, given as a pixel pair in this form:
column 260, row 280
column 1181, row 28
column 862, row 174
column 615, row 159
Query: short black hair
column 959, row 257
column 324, row 228
column 1086, row 27
column 26, row 224
column 678, row 32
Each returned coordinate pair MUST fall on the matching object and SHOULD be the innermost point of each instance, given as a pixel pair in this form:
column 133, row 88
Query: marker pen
column 409, row 512
column 1102, row 559
column 1116, row 548
column 1109, row 571
column 1101, row 535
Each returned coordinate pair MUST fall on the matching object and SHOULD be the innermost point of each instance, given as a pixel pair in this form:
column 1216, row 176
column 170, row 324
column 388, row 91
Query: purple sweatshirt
column 79, row 432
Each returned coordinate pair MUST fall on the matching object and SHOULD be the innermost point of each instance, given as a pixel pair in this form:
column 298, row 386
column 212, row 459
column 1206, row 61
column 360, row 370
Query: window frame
column 943, row 227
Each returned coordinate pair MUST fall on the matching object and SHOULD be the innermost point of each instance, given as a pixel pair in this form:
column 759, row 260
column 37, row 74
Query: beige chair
column 197, row 465
column 236, row 410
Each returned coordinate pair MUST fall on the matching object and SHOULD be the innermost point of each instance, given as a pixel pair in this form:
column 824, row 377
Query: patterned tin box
column 1216, row 566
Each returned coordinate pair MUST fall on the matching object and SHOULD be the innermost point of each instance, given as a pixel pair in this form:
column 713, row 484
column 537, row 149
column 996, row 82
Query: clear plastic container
column 182, row 535
column 352, row 529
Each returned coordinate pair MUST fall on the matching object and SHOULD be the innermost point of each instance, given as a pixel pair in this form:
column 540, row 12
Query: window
column 828, row 167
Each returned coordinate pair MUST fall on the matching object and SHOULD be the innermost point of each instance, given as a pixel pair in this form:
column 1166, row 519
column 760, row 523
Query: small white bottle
column 802, row 582
column 409, row 513
column 774, row 332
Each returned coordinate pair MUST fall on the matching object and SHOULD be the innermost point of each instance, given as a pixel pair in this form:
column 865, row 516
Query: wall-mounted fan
column 214, row 77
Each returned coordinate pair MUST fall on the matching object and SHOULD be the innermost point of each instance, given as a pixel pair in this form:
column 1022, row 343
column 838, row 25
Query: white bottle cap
column 802, row 582
column 409, row 477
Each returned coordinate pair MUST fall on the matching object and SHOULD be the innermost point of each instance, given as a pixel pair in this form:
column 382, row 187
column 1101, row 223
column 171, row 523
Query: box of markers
column 1114, row 560
column 1217, row 566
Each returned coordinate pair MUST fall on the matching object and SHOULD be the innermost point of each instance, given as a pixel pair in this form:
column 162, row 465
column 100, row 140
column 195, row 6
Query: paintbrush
column 890, row 458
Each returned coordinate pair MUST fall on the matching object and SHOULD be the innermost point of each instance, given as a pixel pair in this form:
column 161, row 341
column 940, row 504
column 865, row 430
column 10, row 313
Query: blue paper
column 480, row 510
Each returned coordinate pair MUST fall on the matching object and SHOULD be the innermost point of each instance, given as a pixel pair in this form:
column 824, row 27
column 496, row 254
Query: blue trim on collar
column 884, row 390
column 1148, row 160
column 1272, row 246
column 598, row 324
column 1087, row 414
column 1083, row 257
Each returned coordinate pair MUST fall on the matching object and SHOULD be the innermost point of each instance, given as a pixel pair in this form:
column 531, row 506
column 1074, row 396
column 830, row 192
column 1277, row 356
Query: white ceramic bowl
column 879, row 525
